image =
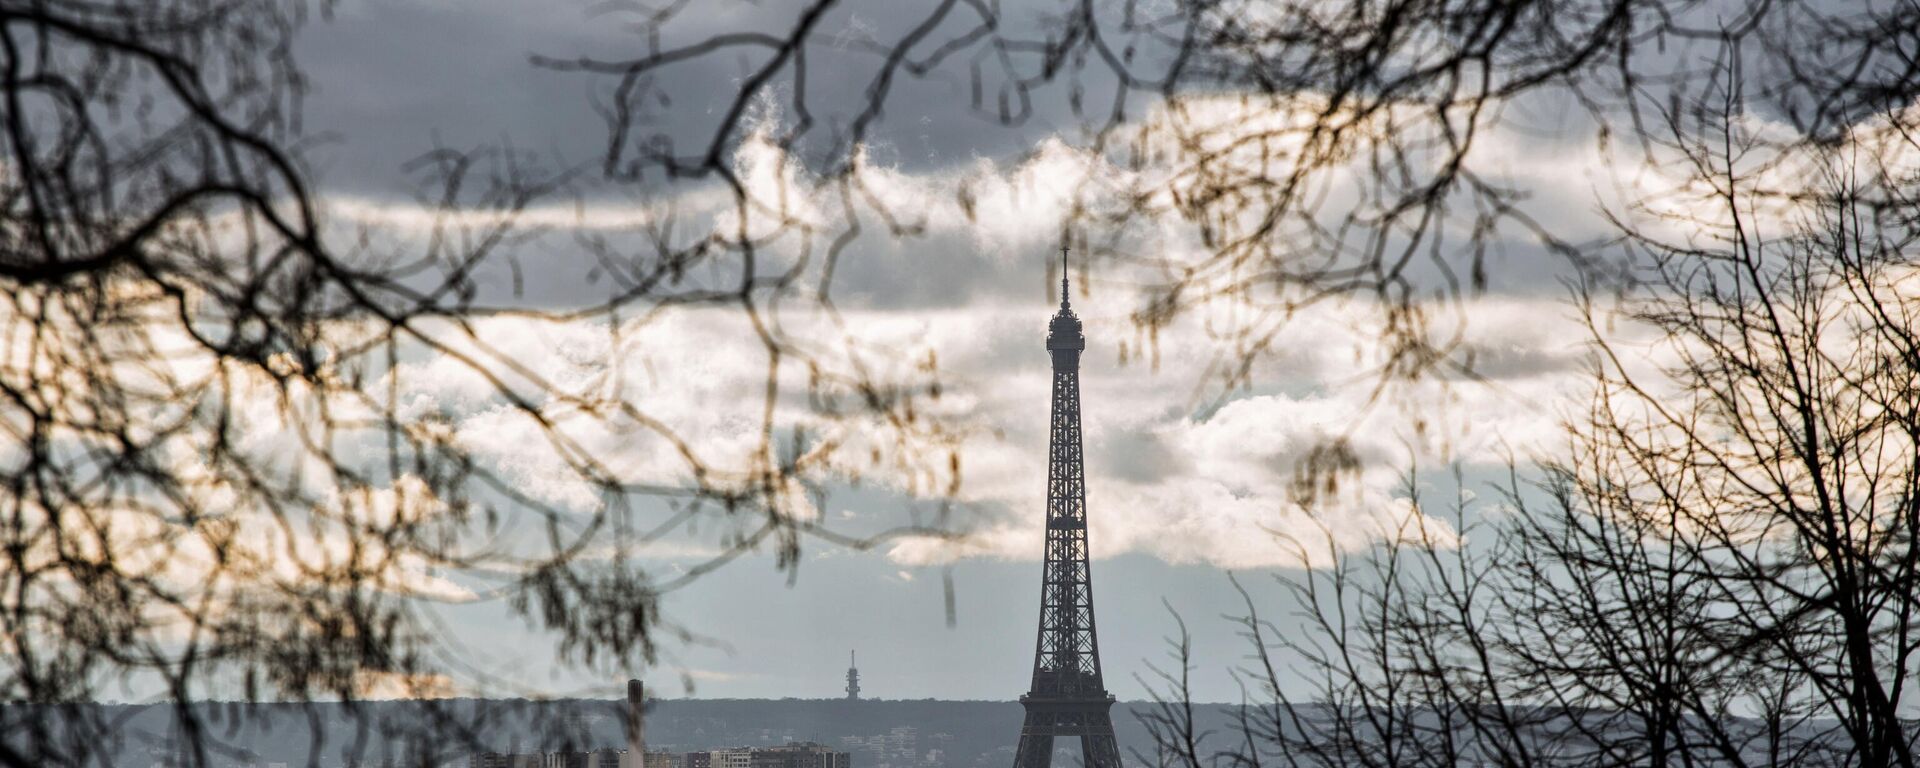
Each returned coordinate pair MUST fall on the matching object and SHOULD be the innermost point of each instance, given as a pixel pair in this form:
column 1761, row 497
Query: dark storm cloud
column 395, row 78
column 391, row 77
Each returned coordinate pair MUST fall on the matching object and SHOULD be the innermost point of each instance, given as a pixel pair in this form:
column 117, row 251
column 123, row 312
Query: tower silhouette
column 853, row 678
column 1068, row 697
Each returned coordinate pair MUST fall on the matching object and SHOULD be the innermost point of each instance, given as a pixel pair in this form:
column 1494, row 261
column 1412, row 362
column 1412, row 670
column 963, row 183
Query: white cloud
column 1172, row 474
column 1169, row 476
column 1215, row 486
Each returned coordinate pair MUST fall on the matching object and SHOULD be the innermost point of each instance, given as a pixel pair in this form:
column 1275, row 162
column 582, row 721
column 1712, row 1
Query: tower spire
column 1065, row 303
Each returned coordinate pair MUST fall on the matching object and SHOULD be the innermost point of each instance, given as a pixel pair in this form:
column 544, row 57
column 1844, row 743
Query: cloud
column 1176, row 470
column 1216, row 485
column 716, row 676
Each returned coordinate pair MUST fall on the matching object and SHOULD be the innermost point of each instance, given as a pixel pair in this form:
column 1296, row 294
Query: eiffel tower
column 1068, row 697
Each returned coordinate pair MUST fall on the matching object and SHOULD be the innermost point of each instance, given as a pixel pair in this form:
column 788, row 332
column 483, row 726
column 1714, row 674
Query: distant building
column 803, row 754
column 800, row 755
column 529, row 760
column 635, row 756
column 793, row 755
column 599, row 758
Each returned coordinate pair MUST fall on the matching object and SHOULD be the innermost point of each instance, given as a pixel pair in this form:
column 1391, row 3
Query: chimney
column 636, row 724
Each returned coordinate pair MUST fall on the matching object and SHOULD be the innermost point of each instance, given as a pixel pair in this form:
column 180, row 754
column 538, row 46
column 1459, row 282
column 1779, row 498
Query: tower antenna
column 1065, row 303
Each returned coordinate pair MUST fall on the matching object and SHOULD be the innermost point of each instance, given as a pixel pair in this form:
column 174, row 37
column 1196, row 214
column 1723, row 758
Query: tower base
column 1089, row 719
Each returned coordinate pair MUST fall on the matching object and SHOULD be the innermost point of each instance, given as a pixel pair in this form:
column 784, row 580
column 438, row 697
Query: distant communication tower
column 853, row 678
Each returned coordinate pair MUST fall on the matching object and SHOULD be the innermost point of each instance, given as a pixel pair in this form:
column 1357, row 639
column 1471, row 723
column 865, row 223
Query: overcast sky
column 1182, row 489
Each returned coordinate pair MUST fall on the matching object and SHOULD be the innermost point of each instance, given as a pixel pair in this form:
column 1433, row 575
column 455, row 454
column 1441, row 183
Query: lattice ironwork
column 1068, row 697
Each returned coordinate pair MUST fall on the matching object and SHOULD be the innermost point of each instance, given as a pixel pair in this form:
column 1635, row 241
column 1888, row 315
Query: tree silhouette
column 1719, row 569
column 217, row 483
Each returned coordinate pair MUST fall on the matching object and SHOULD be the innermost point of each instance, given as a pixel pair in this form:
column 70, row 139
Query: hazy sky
column 1180, row 491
